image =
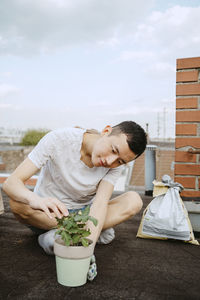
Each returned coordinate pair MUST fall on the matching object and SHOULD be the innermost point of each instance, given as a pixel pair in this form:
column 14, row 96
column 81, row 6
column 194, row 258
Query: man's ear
column 107, row 130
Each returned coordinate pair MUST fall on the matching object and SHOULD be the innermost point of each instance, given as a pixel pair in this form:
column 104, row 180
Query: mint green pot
column 72, row 263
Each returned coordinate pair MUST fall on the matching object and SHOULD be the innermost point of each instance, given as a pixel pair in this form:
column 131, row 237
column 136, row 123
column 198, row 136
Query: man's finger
column 61, row 207
column 55, row 210
column 47, row 212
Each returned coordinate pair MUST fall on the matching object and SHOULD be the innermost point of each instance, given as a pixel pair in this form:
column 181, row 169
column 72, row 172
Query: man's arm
column 99, row 208
column 15, row 188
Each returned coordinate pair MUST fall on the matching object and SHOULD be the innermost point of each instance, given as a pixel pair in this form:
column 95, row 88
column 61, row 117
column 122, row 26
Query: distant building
column 10, row 135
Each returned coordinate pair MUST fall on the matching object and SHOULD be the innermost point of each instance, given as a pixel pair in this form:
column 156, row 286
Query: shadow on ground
column 129, row 268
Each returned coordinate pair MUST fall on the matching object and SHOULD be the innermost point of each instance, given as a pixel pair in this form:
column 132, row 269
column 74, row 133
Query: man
column 78, row 167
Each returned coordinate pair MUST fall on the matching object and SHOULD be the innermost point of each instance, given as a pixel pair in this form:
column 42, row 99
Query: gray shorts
column 40, row 231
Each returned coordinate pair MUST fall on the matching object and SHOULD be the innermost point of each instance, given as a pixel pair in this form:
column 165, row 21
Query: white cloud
column 139, row 110
column 163, row 67
column 174, row 31
column 133, row 55
column 6, row 74
column 5, row 105
column 34, row 26
column 110, row 42
column 10, row 106
column 169, row 101
column 7, row 89
column 160, row 69
column 163, row 37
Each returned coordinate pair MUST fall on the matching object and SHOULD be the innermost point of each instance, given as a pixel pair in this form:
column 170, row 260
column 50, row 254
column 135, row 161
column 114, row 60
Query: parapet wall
column 12, row 157
column 187, row 157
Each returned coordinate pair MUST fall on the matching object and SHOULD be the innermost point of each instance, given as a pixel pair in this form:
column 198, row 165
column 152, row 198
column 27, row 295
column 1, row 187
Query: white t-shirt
column 63, row 175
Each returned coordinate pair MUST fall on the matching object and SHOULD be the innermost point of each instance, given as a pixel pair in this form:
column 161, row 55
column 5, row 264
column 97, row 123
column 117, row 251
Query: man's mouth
column 101, row 163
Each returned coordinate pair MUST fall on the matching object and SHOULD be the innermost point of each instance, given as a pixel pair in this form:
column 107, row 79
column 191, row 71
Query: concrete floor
column 129, row 268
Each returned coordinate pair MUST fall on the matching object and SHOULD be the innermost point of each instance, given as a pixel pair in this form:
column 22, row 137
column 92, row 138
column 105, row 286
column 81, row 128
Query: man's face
column 111, row 151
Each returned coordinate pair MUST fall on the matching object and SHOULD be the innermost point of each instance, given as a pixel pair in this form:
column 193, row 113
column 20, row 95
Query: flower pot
column 72, row 263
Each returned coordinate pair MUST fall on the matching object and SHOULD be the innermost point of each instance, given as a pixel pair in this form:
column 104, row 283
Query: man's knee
column 22, row 210
column 134, row 202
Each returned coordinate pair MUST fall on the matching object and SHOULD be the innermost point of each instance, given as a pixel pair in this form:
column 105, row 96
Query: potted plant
column 73, row 250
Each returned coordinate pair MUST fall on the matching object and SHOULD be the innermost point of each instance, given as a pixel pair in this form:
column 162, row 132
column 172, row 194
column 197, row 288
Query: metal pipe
column 197, row 151
column 150, row 168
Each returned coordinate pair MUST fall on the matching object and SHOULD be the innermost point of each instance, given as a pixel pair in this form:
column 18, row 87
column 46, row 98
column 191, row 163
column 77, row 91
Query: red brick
column 186, row 129
column 191, row 194
column 2, row 167
column 199, row 183
column 31, row 181
column 183, row 156
column 187, row 182
column 187, row 169
column 187, row 76
column 164, row 160
column 183, row 142
column 186, row 103
column 188, row 116
column 187, row 89
column 188, row 63
column 2, row 179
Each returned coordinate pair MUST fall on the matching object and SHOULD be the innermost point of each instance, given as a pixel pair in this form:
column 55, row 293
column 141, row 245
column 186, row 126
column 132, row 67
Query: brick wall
column 137, row 178
column 12, row 157
column 187, row 165
column 164, row 165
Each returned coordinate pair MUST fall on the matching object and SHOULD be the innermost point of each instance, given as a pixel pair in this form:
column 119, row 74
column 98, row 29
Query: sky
column 93, row 63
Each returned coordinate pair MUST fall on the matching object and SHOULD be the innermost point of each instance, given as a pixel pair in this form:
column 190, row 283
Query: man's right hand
column 15, row 188
column 48, row 205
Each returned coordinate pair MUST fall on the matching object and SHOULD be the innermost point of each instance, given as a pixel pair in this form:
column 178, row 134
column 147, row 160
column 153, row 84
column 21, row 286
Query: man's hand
column 48, row 205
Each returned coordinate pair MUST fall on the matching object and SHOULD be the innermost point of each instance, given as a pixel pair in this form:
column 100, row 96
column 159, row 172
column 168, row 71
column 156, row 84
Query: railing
column 192, row 151
column 30, row 182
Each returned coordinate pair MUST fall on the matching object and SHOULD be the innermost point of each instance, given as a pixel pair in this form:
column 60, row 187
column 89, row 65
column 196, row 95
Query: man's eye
column 113, row 150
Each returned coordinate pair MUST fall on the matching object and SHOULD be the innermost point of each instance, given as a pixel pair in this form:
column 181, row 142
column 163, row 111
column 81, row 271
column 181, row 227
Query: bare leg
column 35, row 217
column 119, row 210
column 122, row 208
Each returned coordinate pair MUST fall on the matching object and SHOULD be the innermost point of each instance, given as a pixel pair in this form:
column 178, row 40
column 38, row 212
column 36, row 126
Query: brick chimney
column 187, row 155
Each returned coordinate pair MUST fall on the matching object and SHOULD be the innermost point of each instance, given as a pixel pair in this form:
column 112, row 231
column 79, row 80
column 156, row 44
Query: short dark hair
column 136, row 136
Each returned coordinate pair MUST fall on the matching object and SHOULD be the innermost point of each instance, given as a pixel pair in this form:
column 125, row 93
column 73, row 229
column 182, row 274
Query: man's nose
column 111, row 159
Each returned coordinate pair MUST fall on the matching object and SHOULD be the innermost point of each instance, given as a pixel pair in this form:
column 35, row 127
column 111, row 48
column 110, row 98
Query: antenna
column 147, row 132
column 158, row 124
column 164, row 122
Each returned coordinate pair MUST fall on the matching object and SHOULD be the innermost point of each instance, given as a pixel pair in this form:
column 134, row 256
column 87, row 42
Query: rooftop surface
column 129, row 268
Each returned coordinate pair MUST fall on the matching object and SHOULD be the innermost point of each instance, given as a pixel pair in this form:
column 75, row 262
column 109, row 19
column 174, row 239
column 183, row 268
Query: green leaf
column 77, row 218
column 60, row 221
column 85, row 212
column 80, row 225
column 76, row 239
column 66, row 238
column 69, row 225
column 86, row 233
column 73, row 230
column 81, row 231
column 85, row 242
column 58, row 232
column 93, row 220
column 65, row 221
column 85, row 219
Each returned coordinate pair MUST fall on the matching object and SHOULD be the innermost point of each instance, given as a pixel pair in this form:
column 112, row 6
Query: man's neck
column 87, row 147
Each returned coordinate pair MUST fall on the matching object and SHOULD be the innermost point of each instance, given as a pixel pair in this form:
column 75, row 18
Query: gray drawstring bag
column 166, row 216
